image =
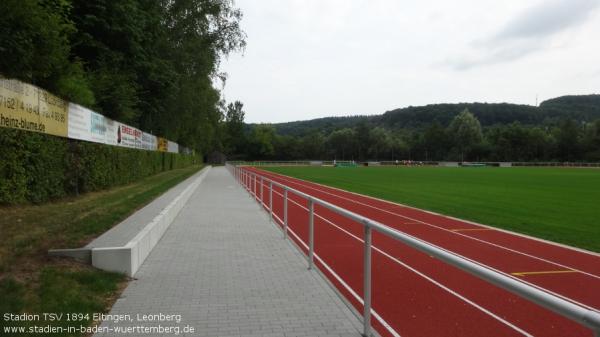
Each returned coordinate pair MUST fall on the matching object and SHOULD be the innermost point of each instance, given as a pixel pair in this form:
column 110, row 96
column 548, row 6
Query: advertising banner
column 103, row 129
column 79, row 122
column 26, row 107
column 128, row 136
column 163, row 144
column 149, row 142
column 172, row 147
column 84, row 124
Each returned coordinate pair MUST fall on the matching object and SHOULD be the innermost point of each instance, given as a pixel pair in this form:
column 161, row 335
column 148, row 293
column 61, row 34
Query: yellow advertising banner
column 163, row 144
column 27, row 107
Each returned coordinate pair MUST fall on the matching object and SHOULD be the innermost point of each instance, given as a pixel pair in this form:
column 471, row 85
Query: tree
column 312, row 145
column 567, row 139
column 591, row 141
column 260, row 142
column 380, row 142
column 398, row 146
column 465, row 131
column 147, row 63
column 152, row 63
column 287, row 148
column 435, row 141
column 363, row 140
column 36, row 48
column 234, row 137
column 342, row 143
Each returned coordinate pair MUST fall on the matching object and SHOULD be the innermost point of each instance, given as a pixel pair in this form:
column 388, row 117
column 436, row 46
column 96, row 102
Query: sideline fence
column 249, row 180
column 410, row 163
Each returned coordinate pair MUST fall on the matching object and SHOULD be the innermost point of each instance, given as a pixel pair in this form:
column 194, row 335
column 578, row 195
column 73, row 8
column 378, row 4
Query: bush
column 37, row 167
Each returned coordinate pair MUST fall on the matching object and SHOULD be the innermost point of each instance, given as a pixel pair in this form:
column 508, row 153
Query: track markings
column 322, row 190
column 470, row 229
column 525, row 273
column 376, row 249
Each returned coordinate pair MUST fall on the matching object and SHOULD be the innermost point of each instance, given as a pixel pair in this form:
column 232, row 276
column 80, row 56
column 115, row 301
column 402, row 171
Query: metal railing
column 579, row 314
column 401, row 162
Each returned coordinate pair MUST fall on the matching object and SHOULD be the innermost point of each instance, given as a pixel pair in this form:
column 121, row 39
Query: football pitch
column 557, row 204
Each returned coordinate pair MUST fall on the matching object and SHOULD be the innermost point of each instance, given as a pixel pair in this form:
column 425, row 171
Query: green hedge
column 37, row 168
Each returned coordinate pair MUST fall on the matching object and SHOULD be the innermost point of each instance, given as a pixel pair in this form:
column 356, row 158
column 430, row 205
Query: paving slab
column 225, row 269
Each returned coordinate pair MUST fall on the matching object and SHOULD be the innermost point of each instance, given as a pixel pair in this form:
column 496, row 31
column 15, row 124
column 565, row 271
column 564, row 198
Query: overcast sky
column 315, row 58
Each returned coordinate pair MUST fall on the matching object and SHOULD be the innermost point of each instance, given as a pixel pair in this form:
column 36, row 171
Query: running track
column 417, row 295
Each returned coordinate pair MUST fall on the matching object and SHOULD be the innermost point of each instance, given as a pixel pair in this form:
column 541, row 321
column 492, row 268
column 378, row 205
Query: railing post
column 367, row 281
column 285, row 216
column 255, row 194
column 311, row 233
column 271, row 200
column 261, row 191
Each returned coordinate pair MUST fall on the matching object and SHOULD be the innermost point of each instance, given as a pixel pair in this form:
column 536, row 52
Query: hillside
column 580, row 108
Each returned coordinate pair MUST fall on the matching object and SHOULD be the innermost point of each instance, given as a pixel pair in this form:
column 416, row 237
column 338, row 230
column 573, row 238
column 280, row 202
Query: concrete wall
column 129, row 258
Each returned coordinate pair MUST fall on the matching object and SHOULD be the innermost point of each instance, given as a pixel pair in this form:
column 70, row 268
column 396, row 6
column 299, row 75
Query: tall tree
column 591, row 141
column 342, row 143
column 435, row 141
column 153, row 63
column 363, row 140
column 261, row 142
column 465, row 130
column 568, row 142
column 380, row 142
column 36, row 47
column 234, row 128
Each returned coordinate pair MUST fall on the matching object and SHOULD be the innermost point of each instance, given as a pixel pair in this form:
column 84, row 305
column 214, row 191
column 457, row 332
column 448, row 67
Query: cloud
column 527, row 33
column 546, row 19
column 496, row 55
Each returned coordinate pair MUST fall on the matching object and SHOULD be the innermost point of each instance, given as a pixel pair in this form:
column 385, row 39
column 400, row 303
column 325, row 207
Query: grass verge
column 32, row 282
column 558, row 204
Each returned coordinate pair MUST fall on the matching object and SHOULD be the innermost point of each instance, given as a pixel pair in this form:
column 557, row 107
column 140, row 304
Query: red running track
column 417, row 295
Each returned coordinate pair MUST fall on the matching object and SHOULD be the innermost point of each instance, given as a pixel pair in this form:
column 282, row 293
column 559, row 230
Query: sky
column 307, row 59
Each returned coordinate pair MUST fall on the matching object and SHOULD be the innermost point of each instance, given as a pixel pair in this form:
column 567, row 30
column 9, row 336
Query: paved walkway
column 227, row 271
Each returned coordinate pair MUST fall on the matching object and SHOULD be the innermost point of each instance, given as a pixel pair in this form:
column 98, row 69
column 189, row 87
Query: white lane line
column 447, row 230
column 475, row 261
column 452, row 292
column 344, row 284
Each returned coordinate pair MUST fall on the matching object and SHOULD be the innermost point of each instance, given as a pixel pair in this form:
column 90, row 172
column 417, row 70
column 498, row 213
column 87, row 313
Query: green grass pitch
column 558, row 204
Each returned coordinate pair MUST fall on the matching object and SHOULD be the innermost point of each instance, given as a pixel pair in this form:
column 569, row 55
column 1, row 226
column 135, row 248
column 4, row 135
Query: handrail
column 401, row 162
column 579, row 314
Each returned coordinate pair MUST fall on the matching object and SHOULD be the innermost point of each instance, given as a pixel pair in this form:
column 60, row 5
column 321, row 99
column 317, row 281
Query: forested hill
column 325, row 124
column 580, row 108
